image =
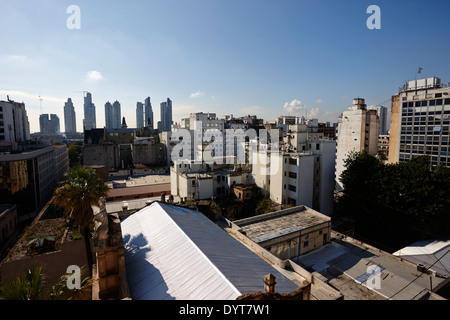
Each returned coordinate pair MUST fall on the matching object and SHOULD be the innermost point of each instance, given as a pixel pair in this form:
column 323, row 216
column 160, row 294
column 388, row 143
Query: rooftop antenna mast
column 418, row 73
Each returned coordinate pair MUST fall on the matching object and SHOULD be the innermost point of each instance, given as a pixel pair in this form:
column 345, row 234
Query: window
column 305, row 244
column 292, row 188
column 293, row 175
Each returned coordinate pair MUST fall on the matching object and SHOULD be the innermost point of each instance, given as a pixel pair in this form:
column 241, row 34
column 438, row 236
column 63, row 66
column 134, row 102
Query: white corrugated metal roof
column 176, row 253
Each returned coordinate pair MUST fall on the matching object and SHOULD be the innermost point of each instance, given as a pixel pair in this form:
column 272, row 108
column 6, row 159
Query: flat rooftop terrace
column 280, row 223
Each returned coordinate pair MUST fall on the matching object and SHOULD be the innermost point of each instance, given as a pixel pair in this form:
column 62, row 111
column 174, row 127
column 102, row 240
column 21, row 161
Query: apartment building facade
column 420, row 122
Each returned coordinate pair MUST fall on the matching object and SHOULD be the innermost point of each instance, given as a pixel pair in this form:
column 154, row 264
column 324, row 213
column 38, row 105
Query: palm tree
column 27, row 286
column 77, row 195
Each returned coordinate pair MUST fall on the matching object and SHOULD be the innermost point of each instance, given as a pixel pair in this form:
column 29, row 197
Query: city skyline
column 254, row 57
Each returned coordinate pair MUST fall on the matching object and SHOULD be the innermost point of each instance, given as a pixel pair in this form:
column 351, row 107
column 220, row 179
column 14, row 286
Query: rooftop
column 176, row 253
column 276, row 224
column 344, row 264
column 432, row 254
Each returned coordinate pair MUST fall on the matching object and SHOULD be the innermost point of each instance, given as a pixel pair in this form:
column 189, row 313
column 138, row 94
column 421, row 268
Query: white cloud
column 294, row 106
column 196, row 94
column 314, row 113
column 94, row 76
column 319, row 101
column 14, row 95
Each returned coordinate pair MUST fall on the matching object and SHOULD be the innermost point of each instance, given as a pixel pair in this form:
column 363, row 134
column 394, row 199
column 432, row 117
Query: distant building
column 300, row 173
column 166, row 115
column 148, row 114
column 112, row 115
column 139, row 115
column 70, row 124
column 14, row 125
column 49, row 125
column 382, row 114
column 328, row 131
column 122, row 149
column 358, row 130
column 108, row 115
column 208, row 133
column 116, row 115
column 420, row 122
column 194, row 180
column 89, row 121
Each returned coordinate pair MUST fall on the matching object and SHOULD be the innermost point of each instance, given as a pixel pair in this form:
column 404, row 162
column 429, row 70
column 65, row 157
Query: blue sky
column 261, row 57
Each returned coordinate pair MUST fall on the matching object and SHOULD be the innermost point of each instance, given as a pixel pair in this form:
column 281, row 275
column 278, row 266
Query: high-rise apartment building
column 139, row 115
column 14, row 125
column 166, row 115
column 70, row 125
column 108, row 115
column 358, row 130
column 112, row 115
column 49, row 125
column 116, row 115
column 89, row 121
column 382, row 114
column 149, row 114
column 420, row 122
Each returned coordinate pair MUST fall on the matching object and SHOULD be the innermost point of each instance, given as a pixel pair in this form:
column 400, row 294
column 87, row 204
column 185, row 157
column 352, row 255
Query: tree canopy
column 397, row 203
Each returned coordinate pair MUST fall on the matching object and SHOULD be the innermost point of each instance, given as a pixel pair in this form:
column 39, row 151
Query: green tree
column 263, row 207
column 29, row 285
column 397, row 203
column 77, row 195
column 74, row 150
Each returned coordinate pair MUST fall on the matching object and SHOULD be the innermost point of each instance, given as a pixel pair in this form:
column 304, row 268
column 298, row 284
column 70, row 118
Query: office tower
column 382, row 114
column 116, row 115
column 139, row 115
column 420, row 121
column 49, row 125
column 89, row 121
column 108, row 115
column 357, row 131
column 148, row 114
column 69, row 117
column 112, row 115
column 14, row 125
column 166, row 115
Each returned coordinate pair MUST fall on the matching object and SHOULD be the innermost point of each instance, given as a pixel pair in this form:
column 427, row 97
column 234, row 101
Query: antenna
column 418, row 73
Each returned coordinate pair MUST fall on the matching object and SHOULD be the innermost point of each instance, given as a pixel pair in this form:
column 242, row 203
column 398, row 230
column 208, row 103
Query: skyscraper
column 112, row 115
column 139, row 115
column 70, row 124
column 108, row 115
column 49, row 125
column 89, row 121
column 116, row 115
column 166, row 115
column 148, row 114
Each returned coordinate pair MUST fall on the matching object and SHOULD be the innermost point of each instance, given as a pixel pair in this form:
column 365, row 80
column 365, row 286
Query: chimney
column 269, row 283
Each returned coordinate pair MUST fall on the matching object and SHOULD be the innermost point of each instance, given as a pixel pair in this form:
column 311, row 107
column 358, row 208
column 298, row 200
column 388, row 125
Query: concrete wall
column 107, row 154
column 54, row 264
